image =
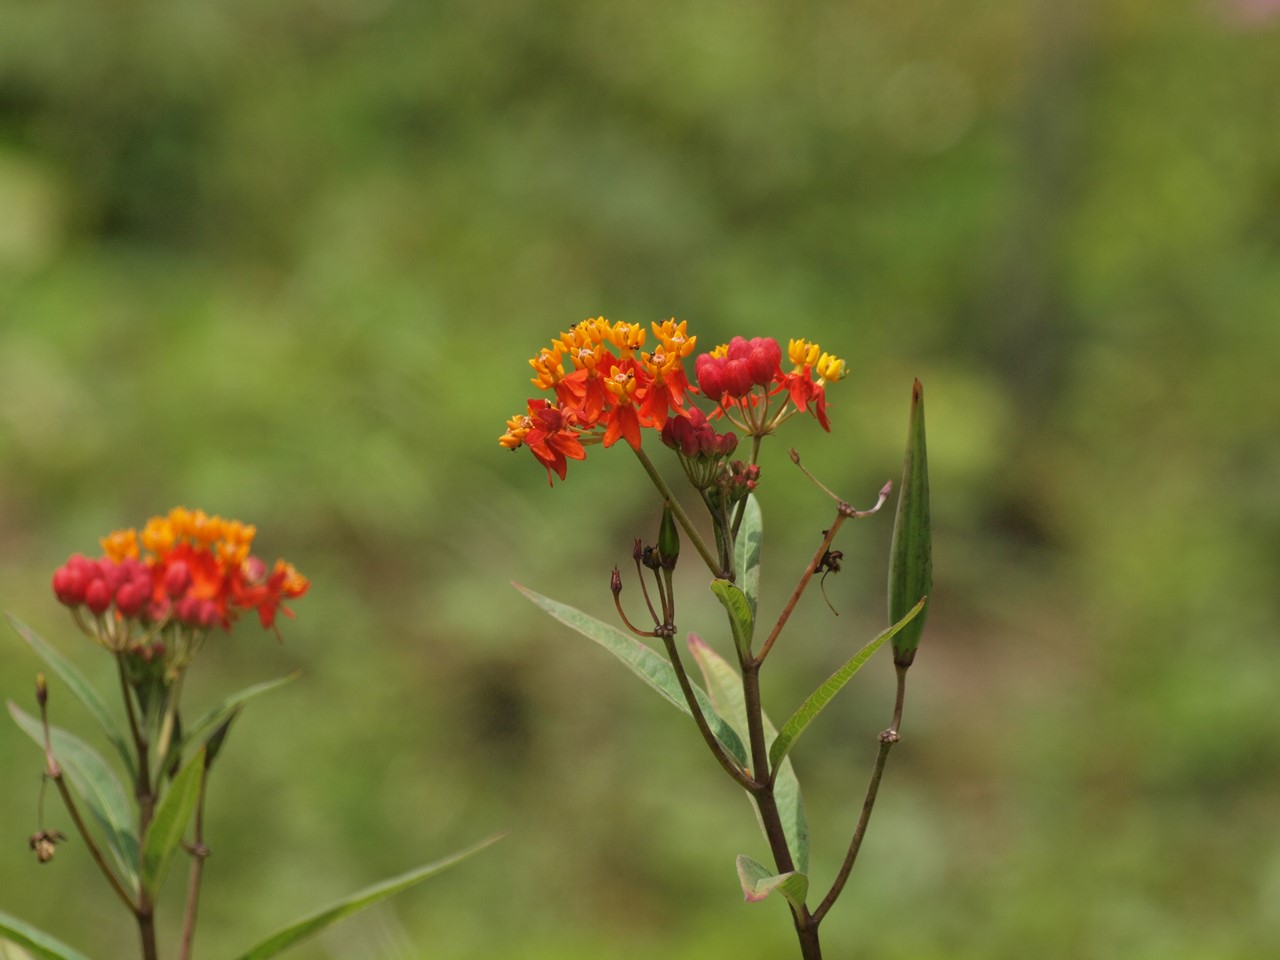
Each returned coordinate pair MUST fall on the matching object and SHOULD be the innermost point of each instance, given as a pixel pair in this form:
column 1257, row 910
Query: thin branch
column 53, row 770
column 887, row 739
column 800, row 587
column 717, row 748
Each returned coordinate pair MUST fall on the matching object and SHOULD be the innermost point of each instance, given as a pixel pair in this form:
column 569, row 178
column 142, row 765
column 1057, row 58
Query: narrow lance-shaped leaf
column 758, row 881
column 170, row 822
column 814, row 703
column 323, row 919
column 911, row 554
column 645, row 663
column 735, row 604
column 65, row 670
column 97, row 786
column 205, row 726
column 746, row 551
column 35, row 941
column 724, row 687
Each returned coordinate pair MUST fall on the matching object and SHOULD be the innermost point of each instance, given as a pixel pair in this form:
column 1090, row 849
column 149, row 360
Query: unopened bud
column 42, row 690
column 177, row 578
column 97, row 596
column 615, row 582
column 668, row 538
column 911, row 553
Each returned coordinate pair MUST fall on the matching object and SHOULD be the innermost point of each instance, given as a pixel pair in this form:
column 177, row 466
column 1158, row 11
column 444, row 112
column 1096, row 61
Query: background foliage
column 285, row 262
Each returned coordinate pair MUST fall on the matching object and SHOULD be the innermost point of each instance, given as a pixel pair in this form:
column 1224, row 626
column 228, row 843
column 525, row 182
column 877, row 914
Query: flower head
column 612, row 381
column 186, row 571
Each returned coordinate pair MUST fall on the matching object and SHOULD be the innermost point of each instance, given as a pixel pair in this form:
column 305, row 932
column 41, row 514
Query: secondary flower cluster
column 186, row 568
column 612, row 389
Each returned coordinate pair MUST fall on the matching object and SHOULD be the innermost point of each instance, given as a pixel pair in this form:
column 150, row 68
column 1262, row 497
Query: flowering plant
column 152, row 600
column 613, row 389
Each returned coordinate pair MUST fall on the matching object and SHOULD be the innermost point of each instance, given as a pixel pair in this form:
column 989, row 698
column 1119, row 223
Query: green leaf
column 323, row 919
column 78, row 685
column 736, row 605
column 97, row 786
column 724, row 687
column 650, row 666
column 758, row 881
column 746, row 551
column 207, row 724
column 34, row 941
column 911, row 553
column 170, row 823
column 813, row 705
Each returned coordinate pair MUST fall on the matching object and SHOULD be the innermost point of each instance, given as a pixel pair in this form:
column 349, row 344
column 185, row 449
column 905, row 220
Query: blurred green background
column 286, row 262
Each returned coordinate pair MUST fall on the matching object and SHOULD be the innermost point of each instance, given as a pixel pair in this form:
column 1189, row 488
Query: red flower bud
column 112, row 573
column 208, row 614
column 710, row 371
column 68, row 585
column 131, row 596
column 97, row 596
column 187, row 610
column 737, row 377
column 765, row 360
column 177, row 578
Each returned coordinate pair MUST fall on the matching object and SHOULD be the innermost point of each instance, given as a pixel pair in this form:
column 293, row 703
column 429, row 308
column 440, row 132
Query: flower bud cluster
column 740, row 368
column 739, row 480
column 97, row 584
column 694, row 436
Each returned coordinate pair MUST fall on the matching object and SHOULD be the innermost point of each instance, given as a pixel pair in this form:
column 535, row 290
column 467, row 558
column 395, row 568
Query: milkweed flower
column 186, row 571
column 613, row 381
column 807, row 359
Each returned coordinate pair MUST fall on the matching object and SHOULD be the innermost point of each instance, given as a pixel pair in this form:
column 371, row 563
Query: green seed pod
column 668, row 538
column 911, row 555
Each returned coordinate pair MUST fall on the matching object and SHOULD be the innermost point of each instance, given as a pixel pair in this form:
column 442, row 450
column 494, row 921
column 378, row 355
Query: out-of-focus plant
column 607, row 387
column 151, row 602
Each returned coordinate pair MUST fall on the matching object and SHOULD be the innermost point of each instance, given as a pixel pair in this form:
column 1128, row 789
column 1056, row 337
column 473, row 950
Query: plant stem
column 144, row 909
column 681, row 517
column 767, row 806
column 53, row 770
column 887, row 739
column 198, row 853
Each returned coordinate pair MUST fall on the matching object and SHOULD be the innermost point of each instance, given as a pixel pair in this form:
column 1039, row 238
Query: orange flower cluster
column 187, row 567
column 611, row 387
